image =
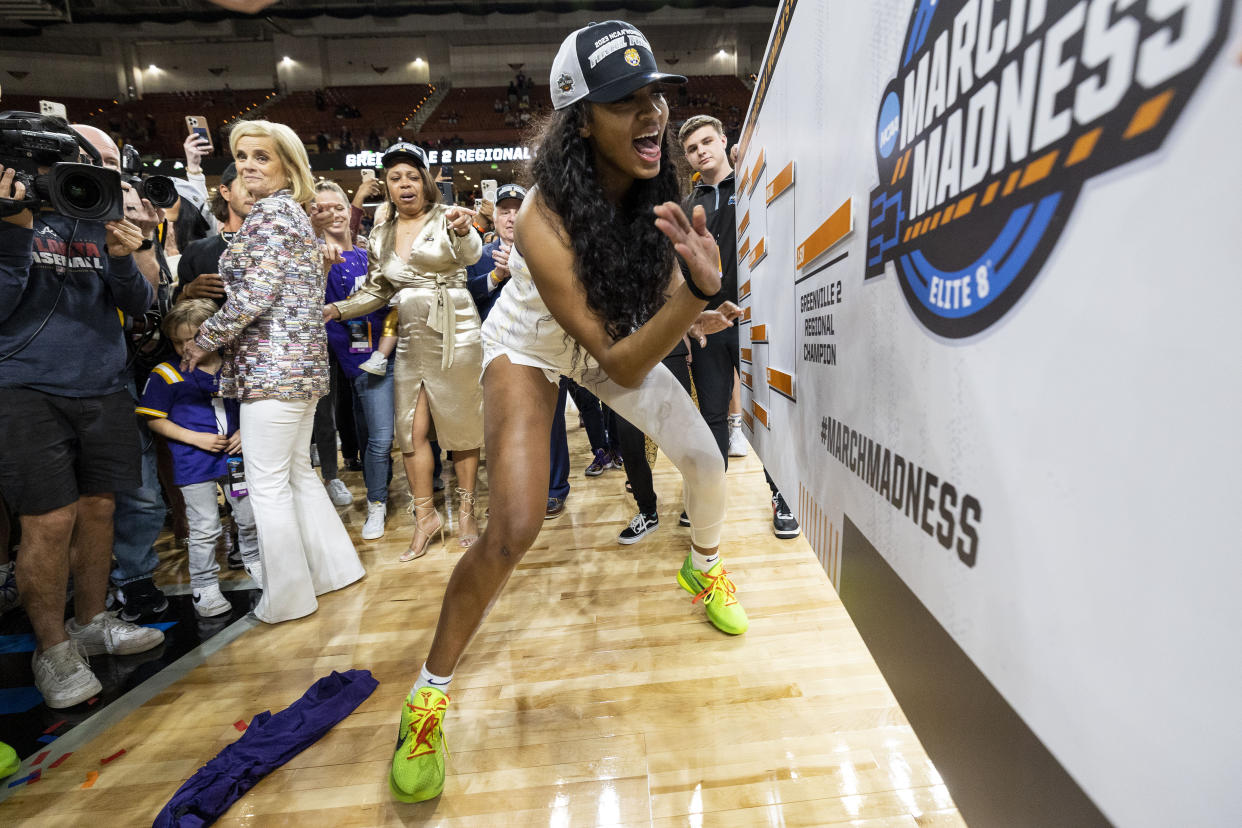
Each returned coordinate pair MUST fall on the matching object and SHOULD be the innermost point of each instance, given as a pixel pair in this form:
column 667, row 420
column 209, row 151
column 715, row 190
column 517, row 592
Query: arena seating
column 466, row 115
column 382, row 108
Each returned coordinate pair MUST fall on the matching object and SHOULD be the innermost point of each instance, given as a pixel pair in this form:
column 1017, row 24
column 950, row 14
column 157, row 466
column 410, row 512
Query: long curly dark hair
column 622, row 260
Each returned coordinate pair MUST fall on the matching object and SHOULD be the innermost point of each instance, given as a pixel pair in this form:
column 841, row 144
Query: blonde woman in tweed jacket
column 276, row 363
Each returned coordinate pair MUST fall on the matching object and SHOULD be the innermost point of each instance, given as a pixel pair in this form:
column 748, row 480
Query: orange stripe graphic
column 746, row 380
column 963, row 206
column 741, row 228
column 1012, row 182
column 990, row 194
column 1083, row 147
column 746, row 354
column 839, row 225
column 745, row 288
column 783, row 181
column 760, row 414
column 759, row 333
column 1038, row 169
column 746, row 313
column 743, row 250
column 1148, row 114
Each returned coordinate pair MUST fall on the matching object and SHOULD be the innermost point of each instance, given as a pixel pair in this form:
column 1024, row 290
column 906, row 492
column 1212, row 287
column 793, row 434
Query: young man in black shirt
column 197, row 272
column 714, row 358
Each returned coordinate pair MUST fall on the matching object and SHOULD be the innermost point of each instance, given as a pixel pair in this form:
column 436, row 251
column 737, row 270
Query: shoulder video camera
column 29, row 142
column 158, row 189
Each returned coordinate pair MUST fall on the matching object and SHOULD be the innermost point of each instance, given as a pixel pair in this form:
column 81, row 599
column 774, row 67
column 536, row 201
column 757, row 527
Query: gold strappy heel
column 466, row 539
column 423, row 508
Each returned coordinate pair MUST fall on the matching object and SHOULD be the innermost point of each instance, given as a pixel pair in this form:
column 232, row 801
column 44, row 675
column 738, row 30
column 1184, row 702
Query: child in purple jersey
column 201, row 428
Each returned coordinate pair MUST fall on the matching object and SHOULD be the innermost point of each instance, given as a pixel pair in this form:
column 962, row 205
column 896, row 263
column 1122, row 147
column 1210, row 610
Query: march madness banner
column 988, row 256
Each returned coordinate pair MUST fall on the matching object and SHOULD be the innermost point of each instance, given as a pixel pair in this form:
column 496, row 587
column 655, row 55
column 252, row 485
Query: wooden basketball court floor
column 595, row 694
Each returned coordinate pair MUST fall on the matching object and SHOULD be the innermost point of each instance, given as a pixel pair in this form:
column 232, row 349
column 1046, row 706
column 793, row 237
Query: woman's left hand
column 190, row 355
column 459, row 219
column 712, row 321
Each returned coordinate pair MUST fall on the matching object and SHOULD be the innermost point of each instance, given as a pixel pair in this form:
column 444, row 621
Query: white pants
column 304, row 547
column 661, row 409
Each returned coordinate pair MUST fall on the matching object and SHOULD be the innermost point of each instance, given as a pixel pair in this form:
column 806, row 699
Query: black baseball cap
column 510, row 191
column 604, row 62
column 229, row 174
column 405, row 151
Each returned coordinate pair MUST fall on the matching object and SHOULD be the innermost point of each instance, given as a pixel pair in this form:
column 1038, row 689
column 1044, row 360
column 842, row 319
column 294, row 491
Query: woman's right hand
column 693, row 242
column 10, row 187
column 331, row 312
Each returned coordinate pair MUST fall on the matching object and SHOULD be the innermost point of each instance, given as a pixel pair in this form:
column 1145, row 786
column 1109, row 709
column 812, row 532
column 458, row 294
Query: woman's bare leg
column 517, row 442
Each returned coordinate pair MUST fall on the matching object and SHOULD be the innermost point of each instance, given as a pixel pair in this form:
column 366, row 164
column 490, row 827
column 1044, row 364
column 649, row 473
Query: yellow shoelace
column 718, row 585
column 427, row 721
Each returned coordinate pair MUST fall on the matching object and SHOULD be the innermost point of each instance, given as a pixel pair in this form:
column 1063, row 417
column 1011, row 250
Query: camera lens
column 160, row 191
column 82, row 193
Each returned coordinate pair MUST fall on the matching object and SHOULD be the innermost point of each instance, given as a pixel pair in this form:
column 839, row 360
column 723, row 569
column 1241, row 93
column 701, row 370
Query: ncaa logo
column 999, row 112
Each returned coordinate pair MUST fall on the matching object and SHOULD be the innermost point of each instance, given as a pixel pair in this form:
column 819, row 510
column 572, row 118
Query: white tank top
column 521, row 326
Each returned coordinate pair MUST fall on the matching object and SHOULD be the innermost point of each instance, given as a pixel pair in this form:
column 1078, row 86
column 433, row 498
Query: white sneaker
column 377, row 513
column 256, row 575
column 338, row 493
column 108, row 634
column 209, row 601
column 738, row 447
column 376, row 364
column 63, row 676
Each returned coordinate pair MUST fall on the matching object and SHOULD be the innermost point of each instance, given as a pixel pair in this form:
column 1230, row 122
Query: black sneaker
column 684, row 519
column 640, row 526
column 235, row 559
column 784, row 525
column 142, row 599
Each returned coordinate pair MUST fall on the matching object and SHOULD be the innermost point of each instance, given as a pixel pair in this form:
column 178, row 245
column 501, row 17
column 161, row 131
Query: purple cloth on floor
column 268, row 743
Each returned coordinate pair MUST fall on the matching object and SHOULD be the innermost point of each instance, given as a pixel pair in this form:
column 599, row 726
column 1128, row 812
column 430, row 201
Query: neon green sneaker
column 9, row 762
column 418, row 764
column 718, row 594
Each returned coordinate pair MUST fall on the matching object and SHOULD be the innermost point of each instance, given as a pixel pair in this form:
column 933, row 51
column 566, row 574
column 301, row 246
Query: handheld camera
column 31, row 142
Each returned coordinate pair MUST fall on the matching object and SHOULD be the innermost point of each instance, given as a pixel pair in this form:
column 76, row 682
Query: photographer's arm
column 16, row 246
column 130, row 290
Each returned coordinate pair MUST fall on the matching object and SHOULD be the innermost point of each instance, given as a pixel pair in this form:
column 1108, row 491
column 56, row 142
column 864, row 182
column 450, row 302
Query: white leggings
column 302, row 542
column 661, row 409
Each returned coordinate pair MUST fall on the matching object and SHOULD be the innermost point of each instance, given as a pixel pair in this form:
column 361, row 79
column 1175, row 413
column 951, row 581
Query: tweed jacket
column 270, row 330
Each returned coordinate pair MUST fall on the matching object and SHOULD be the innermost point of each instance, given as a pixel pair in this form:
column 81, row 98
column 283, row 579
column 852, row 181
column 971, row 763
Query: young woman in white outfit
column 595, row 294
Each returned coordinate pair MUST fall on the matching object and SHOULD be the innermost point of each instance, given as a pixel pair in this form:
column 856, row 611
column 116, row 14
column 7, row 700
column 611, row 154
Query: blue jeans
column 558, row 466
column 373, row 418
column 138, row 520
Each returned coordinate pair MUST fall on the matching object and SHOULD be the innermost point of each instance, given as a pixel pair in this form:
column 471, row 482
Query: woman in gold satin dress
column 419, row 256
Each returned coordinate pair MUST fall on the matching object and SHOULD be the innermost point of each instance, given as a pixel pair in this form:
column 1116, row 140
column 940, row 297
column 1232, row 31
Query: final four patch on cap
column 604, row 62
column 510, row 191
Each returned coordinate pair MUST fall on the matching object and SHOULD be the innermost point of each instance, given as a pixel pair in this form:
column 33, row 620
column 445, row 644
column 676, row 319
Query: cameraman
column 69, row 425
column 139, row 512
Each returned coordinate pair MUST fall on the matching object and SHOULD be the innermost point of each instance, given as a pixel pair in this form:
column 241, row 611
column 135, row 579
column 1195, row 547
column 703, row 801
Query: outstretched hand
column 459, row 219
column 693, row 242
column 712, row 321
column 191, row 355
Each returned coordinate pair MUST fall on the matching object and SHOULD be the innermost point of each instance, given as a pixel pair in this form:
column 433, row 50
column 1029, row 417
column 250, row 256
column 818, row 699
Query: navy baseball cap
column 510, row 191
column 604, row 62
column 405, row 151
